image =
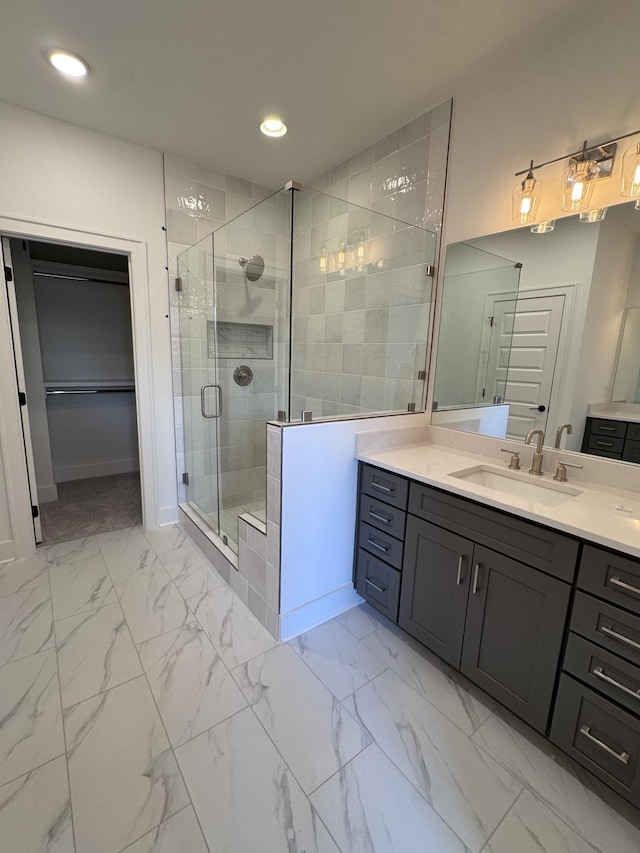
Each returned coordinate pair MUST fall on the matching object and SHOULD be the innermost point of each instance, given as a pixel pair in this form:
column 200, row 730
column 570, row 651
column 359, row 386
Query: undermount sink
column 518, row 485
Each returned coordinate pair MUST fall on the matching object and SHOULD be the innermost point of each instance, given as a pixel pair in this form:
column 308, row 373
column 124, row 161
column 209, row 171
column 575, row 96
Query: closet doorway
column 70, row 312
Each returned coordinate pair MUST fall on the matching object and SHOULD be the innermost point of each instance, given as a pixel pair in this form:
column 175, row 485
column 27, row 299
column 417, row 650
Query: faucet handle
column 514, row 463
column 561, row 471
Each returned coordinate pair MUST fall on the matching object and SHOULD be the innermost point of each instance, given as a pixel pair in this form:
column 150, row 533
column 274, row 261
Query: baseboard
column 96, row 469
column 46, row 494
column 7, row 551
column 167, row 515
column 310, row 615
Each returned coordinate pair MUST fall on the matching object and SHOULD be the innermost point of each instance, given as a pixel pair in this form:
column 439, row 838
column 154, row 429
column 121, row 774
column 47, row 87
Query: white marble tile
column 369, row 807
column 95, row 653
column 314, row 733
column 340, row 661
column 531, row 827
column 73, row 551
column 428, row 677
column 35, row 811
column 20, row 575
column 244, row 794
column 361, row 621
column 30, row 715
column 191, row 571
column 180, row 834
column 163, row 539
column 129, row 556
column 578, row 806
column 191, row 684
column 467, row 788
column 26, row 623
column 124, row 777
column 80, row 585
column 152, row 605
column 234, row 631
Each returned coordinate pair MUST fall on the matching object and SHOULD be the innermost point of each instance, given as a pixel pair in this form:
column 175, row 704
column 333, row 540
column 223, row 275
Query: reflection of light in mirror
column 631, row 172
column 595, row 215
column 545, row 227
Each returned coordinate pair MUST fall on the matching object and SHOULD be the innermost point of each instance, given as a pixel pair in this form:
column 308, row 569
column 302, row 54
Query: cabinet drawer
column 606, row 443
column 529, row 543
column 607, row 428
column 387, row 487
column 381, row 545
column 606, row 453
column 383, row 516
column 607, row 625
column 610, row 576
column 378, row 583
column 633, row 432
column 631, row 452
column 598, row 735
column 604, row 672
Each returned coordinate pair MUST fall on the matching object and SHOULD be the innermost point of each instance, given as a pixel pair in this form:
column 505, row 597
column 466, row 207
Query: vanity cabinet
column 612, row 438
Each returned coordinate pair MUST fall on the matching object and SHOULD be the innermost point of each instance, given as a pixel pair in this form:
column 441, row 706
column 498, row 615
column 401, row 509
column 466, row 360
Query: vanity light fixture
column 525, row 198
column 68, row 63
column 273, row 126
column 579, row 182
column 544, row 227
column 596, row 214
column 631, row 172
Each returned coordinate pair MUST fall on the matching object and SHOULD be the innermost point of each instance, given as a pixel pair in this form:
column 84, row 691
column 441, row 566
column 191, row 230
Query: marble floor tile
column 129, row 556
column 35, row 811
column 430, row 678
column 191, row 571
column 531, row 827
column 181, row 833
column 577, row 805
column 95, row 653
column 124, row 777
column 79, row 586
column 73, row 551
column 369, row 807
column 340, row 661
column 30, row 715
column 234, row 631
column 191, row 684
column 26, row 623
column 152, row 605
column 244, row 794
column 314, row 733
column 20, row 575
column 168, row 538
column 361, row 621
column 123, row 533
column 466, row 787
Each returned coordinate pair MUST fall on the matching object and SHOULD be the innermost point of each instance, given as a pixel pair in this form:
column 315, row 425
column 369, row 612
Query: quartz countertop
column 601, row 514
column 631, row 414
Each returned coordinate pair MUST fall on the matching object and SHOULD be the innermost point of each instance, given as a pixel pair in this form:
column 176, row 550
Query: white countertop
column 615, row 412
column 591, row 515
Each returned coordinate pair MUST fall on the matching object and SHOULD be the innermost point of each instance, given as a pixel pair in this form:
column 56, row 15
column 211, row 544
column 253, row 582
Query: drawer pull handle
column 380, row 518
column 608, row 630
column 377, row 545
column 626, row 586
column 604, row 443
column 602, row 675
column 606, row 428
column 460, row 563
column 476, row 572
column 375, row 586
column 621, row 756
column 380, row 488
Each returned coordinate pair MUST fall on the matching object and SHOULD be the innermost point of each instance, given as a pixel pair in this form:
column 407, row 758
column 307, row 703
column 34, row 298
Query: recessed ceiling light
column 68, row 63
column 273, row 126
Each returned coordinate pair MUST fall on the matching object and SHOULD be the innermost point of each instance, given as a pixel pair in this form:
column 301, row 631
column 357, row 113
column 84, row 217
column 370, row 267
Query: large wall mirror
column 541, row 329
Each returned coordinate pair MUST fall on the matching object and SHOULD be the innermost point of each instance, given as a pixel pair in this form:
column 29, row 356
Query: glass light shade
column 525, row 200
column 545, row 227
column 597, row 214
column 631, row 172
column 579, row 183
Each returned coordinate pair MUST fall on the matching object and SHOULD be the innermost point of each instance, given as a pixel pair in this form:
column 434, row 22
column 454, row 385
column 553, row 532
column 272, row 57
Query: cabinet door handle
column 380, row 488
column 623, row 757
column 380, row 518
column 602, row 675
column 377, row 545
column 460, row 563
column 476, row 572
column 375, row 586
column 626, row 586
column 608, row 630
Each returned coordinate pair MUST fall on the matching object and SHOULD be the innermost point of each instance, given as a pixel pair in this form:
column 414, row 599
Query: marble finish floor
column 143, row 708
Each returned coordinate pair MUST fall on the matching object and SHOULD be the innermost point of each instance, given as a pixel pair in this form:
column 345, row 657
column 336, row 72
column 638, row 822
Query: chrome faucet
column 561, row 429
column 536, row 462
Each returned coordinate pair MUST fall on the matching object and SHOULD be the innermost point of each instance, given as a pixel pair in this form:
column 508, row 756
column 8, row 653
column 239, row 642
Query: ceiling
column 196, row 77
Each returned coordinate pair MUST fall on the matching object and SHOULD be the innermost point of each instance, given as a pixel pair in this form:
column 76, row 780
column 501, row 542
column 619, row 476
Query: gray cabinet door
column 515, row 623
column 435, row 584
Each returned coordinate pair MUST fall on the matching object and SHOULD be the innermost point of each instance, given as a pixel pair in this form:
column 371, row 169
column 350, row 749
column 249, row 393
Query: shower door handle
column 203, row 408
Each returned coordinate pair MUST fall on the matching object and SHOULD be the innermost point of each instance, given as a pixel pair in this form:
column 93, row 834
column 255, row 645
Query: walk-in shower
column 304, row 303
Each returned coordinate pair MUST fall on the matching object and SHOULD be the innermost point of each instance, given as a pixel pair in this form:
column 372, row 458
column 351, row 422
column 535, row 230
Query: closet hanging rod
column 129, row 389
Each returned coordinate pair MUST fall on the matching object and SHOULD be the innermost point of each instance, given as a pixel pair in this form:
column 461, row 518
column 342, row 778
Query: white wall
column 59, row 178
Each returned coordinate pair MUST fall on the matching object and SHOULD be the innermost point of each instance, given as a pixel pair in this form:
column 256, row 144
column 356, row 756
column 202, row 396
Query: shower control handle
column 203, row 407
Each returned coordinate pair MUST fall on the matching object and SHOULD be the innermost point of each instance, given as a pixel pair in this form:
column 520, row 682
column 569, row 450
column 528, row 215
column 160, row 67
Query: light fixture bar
column 579, row 153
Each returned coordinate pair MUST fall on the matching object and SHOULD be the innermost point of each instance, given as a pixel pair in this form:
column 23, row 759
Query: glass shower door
column 201, row 393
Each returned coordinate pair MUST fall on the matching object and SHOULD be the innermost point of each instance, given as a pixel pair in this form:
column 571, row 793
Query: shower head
column 253, row 267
